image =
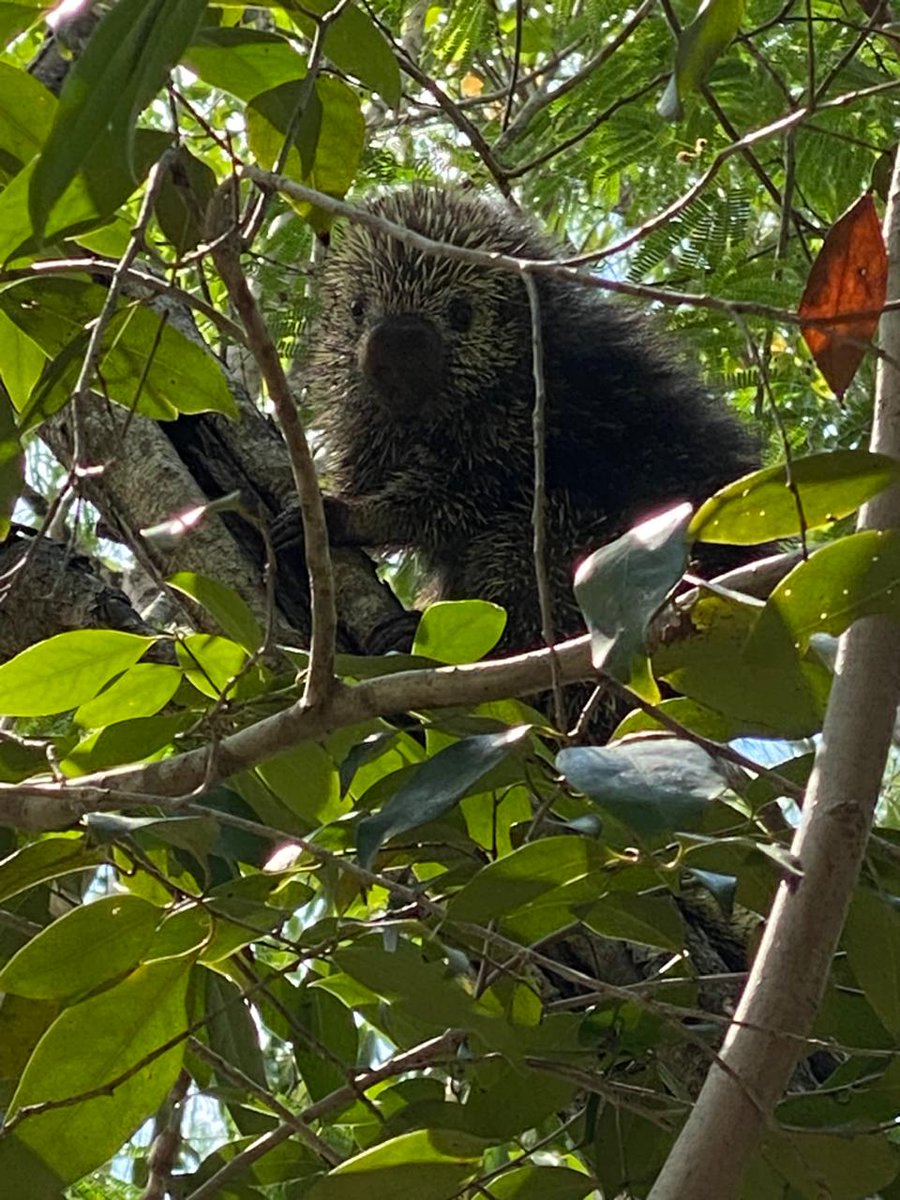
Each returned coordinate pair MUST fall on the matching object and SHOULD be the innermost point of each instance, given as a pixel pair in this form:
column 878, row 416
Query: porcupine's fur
column 422, row 380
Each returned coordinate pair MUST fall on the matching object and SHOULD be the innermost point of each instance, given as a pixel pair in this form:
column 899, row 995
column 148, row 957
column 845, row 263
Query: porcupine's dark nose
column 403, row 356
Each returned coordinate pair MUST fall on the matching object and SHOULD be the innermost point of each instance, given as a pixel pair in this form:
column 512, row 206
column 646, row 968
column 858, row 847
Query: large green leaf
column 620, row 587
column 146, row 364
column 231, row 611
column 646, row 920
column 435, row 787
column 768, row 504
column 836, row 1165
column 542, row 1183
column 421, row 996
column 140, row 692
column 459, row 631
column 46, row 859
column 119, row 72
column 872, row 941
column 26, row 115
column 88, row 202
column 124, row 742
column 328, row 139
column 531, row 873
column 781, row 695
column 16, row 17
column 699, row 45
column 89, row 1046
column 854, row 577
column 354, row 43
column 306, row 780
column 244, row 62
column 66, row 670
column 654, row 786
column 430, row 1164
column 84, row 948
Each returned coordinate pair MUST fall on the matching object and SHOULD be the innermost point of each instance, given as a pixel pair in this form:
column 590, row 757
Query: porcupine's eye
column 358, row 308
column 459, row 313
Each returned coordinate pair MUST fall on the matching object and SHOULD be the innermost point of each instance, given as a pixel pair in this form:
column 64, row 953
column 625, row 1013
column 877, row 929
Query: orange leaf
column 849, row 276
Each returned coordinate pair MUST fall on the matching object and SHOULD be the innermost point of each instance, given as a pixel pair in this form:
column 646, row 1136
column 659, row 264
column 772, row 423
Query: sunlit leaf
column 231, row 611
column 768, row 504
column 86, row 947
column 91, row 1045
column 857, row 576
column 66, row 670
column 459, row 631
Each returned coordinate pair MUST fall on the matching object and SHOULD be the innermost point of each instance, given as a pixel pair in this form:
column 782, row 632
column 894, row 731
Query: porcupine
column 421, row 378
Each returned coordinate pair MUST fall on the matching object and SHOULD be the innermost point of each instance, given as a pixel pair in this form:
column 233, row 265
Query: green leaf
column 857, row 576
column 782, row 695
column 12, row 463
column 329, row 138
column 306, row 780
column 693, row 716
column 620, row 587
column 183, row 199
column 520, row 880
column 700, row 44
column 355, row 44
column 421, row 996
column 429, row 1164
column 223, row 603
column 46, row 859
column 654, row 786
column 762, row 507
column 123, row 66
column 140, row 692
column 22, row 1172
column 324, row 1022
column 647, row 920
column 867, row 1100
column 542, row 1183
column 435, row 787
column 15, row 18
column 84, row 948
column 124, row 742
column 66, row 670
column 230, row 1028
column 459, row 631
column 21, row 361
column 87, row 204
column 26, row 114
column 146, row 364
column 89, row 1046
column 213, row 664
column 872, row 941
column 244, row 62
column 836, row 1165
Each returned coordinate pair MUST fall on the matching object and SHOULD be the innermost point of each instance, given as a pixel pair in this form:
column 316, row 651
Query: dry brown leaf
column 849, row 276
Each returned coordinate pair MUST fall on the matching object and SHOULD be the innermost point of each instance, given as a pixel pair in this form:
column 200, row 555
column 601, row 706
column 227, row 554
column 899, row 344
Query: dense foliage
column 445, row 954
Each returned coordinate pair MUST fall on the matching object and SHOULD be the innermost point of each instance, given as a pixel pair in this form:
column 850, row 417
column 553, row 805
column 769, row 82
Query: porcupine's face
column 416, row 337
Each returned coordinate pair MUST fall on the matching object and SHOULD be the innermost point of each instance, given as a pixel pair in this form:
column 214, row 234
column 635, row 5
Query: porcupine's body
column 422, row 379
